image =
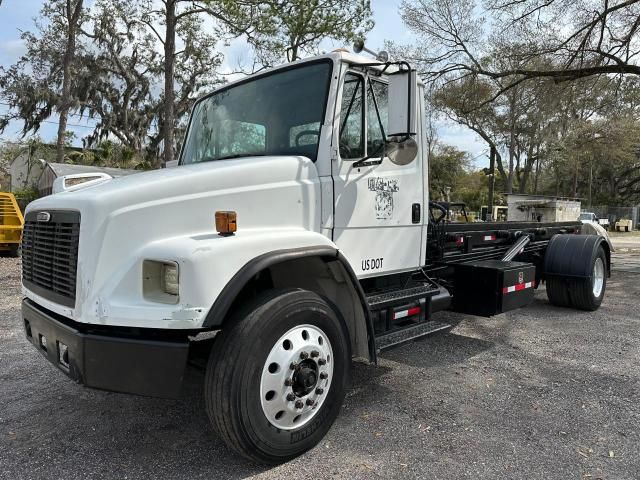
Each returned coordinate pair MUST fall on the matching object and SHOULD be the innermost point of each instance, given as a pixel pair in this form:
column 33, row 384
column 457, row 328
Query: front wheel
column 277, row 377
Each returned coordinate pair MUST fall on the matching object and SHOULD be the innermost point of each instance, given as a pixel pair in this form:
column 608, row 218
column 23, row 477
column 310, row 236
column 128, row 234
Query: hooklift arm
column 518, row 247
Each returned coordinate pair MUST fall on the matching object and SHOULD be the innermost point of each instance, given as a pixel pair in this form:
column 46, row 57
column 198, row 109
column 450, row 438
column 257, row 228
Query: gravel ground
column 540, row 393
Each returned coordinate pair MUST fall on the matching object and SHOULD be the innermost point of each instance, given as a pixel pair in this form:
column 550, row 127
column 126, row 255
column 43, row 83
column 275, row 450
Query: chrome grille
column 50, row 255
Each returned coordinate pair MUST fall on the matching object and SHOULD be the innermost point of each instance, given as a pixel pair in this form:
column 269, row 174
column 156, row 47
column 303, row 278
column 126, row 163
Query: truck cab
column 292, row 236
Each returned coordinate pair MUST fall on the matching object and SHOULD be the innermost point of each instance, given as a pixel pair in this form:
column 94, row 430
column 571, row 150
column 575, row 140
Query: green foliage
column 33, row 86
column 446, row 165
column 451, row 168
column 118, row 66
column 27, row 194
column 290, row 29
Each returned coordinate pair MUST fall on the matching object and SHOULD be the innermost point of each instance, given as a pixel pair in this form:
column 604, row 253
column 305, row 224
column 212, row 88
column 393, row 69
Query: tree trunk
column 528, row 166
column 512, row 140
column 169, row 93
column 535, row 184
column 73, row 10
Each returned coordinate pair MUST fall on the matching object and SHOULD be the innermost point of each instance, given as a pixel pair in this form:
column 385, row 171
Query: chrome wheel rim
column 296, row 377
column 598, row 277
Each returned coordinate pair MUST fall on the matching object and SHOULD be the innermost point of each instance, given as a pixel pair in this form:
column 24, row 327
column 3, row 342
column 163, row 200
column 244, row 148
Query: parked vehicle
column 11, row 222
column 295, row 234
column 499, row 213
column 624, row 225
column 591, row 217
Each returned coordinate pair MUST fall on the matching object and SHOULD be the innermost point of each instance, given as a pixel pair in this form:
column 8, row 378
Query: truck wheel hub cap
column 598, row 277
column 296, row 377
column 305, row 378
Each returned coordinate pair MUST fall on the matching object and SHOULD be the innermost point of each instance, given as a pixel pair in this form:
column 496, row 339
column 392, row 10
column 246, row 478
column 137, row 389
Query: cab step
column 398, row 297
column 388, row 340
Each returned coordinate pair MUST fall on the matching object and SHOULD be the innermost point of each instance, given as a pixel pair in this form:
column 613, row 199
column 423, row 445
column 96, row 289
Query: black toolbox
column 490, row 287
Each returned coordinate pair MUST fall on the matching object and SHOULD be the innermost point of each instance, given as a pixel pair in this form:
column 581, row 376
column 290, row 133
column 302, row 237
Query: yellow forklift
column 11, row 223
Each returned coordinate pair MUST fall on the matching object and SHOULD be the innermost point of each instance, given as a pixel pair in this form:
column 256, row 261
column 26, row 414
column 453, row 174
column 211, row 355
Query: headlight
column 170, row 278
column 160, row 281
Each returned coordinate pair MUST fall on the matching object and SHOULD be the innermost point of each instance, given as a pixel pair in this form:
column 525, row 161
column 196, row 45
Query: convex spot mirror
column 400, row 147
column 401, row 150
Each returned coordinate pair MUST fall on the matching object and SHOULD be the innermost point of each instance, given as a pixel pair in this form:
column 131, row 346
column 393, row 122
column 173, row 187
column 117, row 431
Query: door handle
column 415, row 213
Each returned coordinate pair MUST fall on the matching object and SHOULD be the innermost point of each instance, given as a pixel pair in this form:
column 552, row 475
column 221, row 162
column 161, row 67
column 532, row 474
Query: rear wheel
column 583, row 293
column 277, row 377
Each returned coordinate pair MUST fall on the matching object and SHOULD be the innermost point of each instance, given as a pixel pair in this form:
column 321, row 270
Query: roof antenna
column 381, row 56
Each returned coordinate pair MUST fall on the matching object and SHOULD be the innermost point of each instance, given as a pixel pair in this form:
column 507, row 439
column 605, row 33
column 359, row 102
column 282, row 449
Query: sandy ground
column 538, row 393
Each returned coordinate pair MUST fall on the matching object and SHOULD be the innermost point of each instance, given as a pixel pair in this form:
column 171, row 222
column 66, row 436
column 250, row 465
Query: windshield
column 276, row 114
column 586, row 216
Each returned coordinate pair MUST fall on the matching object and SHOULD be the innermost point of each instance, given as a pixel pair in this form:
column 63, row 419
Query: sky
column 18, row 15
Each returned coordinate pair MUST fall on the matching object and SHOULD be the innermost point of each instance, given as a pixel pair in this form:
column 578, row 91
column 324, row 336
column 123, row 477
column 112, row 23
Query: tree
column 49, row 76
column 230, row 16
column 125, row 65
column 290, row 28
column 563, row 40
column 71, row 12
column 446, row 165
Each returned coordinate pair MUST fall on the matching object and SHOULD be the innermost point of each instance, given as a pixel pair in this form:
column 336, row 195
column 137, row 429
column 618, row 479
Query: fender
column 566, row 255
column 218, row 312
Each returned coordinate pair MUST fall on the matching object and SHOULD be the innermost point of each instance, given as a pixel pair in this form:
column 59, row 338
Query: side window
column 377, row 127
column 302, row 135
column 352, row 117
column 238, row 137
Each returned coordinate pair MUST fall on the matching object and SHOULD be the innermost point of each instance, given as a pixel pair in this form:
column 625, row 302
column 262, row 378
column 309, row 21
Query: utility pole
column 492, row 181
column 590, row 181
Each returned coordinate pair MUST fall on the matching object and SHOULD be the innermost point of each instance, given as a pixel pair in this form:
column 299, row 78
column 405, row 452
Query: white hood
column 123, row 216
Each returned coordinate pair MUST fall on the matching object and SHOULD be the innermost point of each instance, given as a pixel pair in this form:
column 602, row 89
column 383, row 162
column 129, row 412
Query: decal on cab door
column 384, row 189
column 372, row 264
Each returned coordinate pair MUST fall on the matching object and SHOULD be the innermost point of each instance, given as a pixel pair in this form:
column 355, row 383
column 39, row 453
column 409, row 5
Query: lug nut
column 322, row 361
column 299, row 404
column 291, row 397
column 310, row 402
column 315, row 354
column 323, row 375
column 288, row 382
column 319, row 391
column 293, row 365
column 304, row 355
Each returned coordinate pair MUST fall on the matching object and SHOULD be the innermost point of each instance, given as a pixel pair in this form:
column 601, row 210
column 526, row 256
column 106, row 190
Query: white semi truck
column 295, row 234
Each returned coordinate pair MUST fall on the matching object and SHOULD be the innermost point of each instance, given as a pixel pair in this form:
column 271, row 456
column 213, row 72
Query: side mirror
column 401, row 148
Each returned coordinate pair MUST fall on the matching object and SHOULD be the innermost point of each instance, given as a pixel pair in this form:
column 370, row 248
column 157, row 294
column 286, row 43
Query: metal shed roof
column 61, row 169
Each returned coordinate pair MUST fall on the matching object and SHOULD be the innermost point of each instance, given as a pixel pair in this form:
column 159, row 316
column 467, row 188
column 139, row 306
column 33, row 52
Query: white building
column 540, row 208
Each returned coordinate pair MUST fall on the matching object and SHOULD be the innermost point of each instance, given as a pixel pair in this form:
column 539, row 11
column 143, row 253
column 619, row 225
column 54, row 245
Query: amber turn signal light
column 226, row 223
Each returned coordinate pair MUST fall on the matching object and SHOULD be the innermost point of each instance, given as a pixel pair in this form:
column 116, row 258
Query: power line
column 484, row 152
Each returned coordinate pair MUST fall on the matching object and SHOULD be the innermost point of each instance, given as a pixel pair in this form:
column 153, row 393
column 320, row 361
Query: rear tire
column 558, row 292
column 581, row 293
column 14, row 251
column 251, row 392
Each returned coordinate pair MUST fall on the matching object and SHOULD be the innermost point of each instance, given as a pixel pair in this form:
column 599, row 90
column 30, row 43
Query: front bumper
column 143, row 366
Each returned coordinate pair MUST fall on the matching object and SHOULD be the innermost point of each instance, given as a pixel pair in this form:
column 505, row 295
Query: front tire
column 276, row 378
